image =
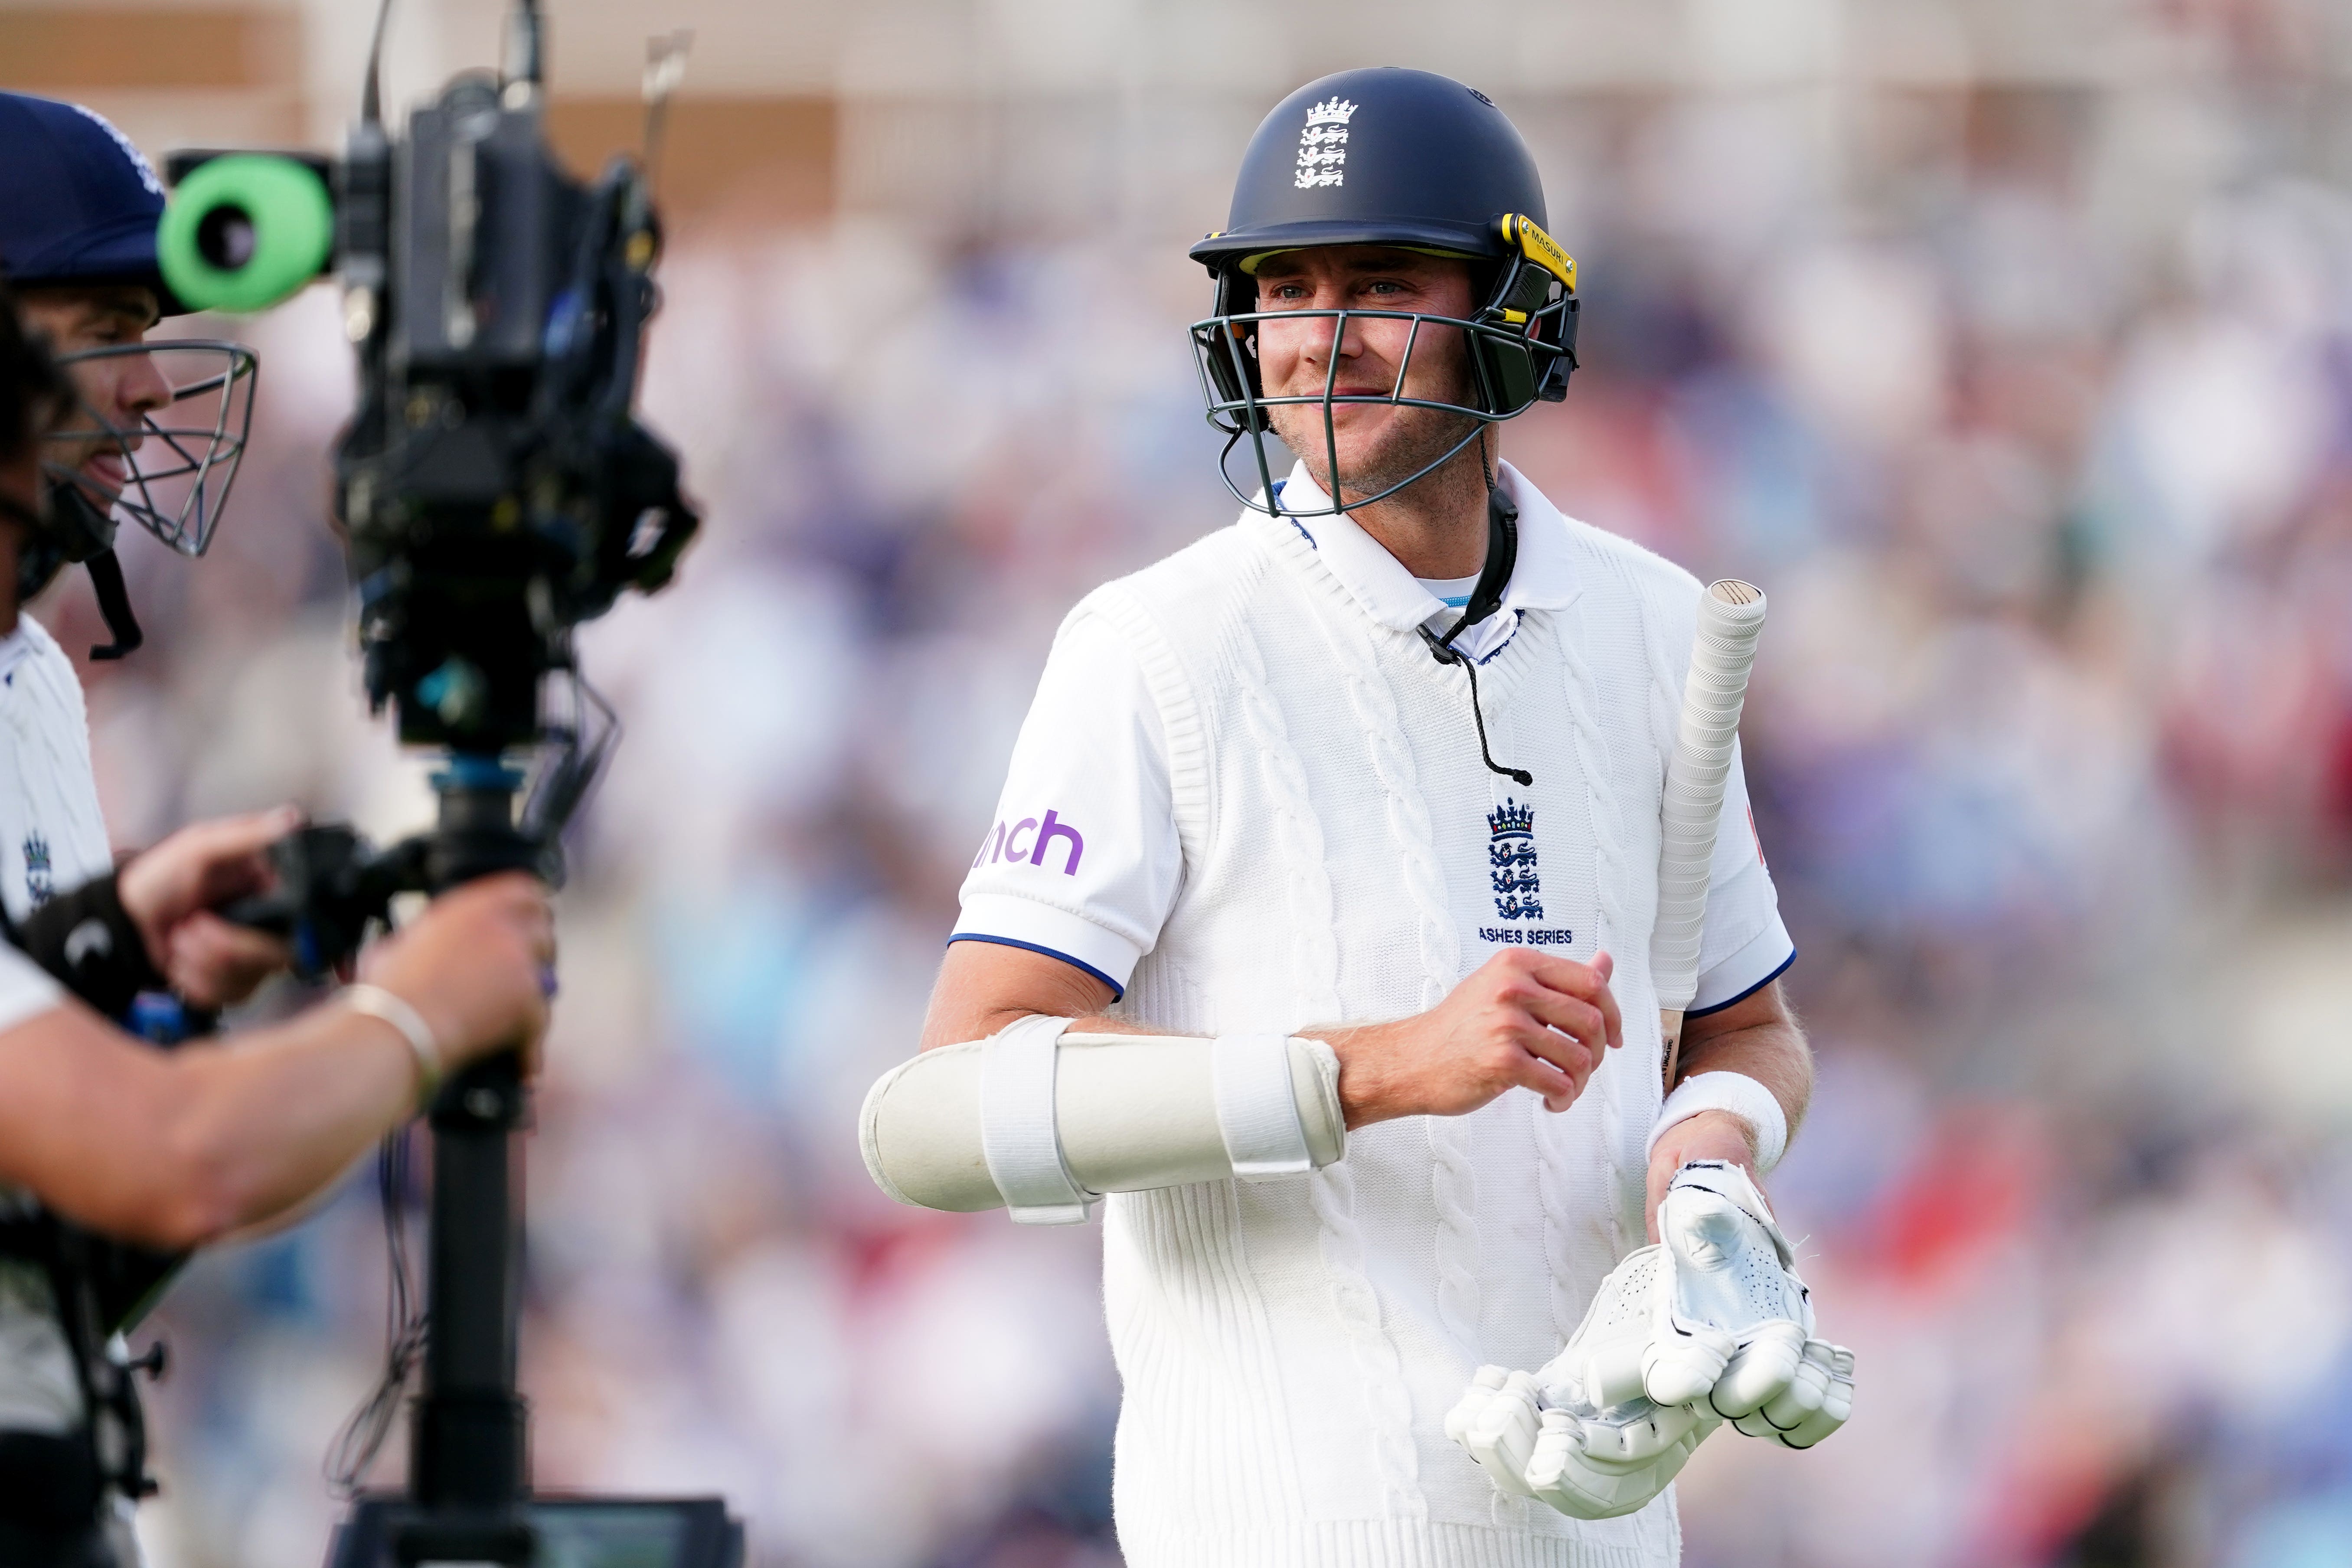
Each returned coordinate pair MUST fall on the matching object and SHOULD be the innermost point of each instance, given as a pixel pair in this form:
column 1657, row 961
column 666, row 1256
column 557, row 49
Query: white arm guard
column 1043, row 1121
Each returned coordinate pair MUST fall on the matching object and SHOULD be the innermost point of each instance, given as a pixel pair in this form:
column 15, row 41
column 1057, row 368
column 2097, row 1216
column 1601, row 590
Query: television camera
column 496, row 491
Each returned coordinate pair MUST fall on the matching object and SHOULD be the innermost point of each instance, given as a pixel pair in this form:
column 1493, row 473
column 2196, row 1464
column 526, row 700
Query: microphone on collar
column 1485, row 598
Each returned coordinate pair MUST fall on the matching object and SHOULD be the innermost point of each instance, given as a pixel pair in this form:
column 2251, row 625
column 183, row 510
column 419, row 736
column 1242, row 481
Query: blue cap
column 78, row 204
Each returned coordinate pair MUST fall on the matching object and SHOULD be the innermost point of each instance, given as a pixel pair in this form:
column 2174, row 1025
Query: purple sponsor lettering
column 1052, row 829
column 1005, row 844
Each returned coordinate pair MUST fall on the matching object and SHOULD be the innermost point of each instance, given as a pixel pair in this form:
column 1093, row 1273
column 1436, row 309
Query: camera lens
column 224, row 237
column 245, row 230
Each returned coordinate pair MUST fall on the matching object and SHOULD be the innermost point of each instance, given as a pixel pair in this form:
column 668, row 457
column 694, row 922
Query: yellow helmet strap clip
column 1523, row 235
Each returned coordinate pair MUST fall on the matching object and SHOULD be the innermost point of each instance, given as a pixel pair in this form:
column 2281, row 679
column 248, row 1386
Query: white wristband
column 377, row 1003
column 1737, row 1094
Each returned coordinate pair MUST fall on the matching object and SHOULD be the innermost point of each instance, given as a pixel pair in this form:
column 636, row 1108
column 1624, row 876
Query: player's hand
column 1733, row 1323
column 474, row 964
column 170, row 894
column 1497, row 1421
column 1586, row 1463
column 1526, row 1019
column 1709, row 1135
column 1817, row 1401
column 1608, row 1465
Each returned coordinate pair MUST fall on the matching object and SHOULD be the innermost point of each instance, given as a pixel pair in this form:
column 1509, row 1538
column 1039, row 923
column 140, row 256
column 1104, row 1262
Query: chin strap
column 80, row 530
column 1485, row 598
column 115, row 604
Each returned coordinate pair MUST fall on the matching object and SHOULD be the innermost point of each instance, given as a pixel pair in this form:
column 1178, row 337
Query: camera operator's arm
column 173, row 1150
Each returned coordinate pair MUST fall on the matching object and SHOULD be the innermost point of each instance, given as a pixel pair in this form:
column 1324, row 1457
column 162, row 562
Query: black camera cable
column 361, row 1438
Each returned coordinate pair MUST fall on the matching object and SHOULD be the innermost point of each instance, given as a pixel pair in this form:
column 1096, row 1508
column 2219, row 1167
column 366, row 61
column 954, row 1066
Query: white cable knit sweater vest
column 1289, row 1348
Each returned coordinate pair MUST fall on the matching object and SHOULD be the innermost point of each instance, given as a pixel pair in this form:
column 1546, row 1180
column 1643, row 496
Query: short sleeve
column 1082, row 860
column 1744, row 946
column 24, row 990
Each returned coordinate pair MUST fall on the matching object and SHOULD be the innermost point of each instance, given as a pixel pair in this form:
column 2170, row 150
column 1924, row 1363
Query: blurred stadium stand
column 2007, row 344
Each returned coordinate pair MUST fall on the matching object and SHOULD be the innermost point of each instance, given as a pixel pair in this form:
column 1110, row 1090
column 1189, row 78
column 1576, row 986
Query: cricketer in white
column 1250, row 807
column 52, row 839
column 1247, row 799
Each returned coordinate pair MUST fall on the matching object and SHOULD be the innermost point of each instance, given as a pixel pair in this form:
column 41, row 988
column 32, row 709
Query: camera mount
column 495, row 490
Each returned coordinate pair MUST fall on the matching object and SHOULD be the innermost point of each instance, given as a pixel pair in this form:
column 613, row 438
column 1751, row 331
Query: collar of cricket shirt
column 1543, row 578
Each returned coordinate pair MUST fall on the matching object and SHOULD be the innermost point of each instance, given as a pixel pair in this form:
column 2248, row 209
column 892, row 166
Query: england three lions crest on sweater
column 1515, row 872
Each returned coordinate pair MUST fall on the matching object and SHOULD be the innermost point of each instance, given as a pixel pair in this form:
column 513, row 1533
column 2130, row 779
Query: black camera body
column 497, row 487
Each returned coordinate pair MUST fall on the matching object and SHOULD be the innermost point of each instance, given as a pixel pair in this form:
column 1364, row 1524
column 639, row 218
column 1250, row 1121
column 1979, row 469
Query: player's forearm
column 1759, row 1039
column 1370, row 1089
column 1765, row 1043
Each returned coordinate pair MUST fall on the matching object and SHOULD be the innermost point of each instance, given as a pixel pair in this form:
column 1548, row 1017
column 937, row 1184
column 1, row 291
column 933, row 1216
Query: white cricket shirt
column 52, row 835
column 1082, row 862
column 52, row 839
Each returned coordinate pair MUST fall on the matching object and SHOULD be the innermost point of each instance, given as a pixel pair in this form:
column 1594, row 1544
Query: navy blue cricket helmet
column 79, row 205
column 1382, row 156
column 1397, row 157
column 79, row 208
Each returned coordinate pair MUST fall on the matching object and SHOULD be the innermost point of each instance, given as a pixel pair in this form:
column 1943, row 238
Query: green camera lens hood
column 293, row 221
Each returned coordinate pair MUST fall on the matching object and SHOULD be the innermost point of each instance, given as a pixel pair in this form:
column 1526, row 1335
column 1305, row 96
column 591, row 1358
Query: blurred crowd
column 2032, row 410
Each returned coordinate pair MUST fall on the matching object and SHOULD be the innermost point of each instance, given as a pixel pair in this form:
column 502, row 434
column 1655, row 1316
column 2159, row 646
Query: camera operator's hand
column 171, row 891
column 473, row 966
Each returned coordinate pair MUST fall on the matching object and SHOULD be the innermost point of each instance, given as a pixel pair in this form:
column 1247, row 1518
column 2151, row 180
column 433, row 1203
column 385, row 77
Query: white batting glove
column 1732, row 1323
column 1497, row 1421
column 1817, row 1402
column 1587, row 1463
column 1614, row 1461
column 1712, row 1318
column 1579, row 1435
column 1603, row 1363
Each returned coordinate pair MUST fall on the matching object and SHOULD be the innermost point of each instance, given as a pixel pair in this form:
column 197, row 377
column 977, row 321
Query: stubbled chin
column 1354, row 451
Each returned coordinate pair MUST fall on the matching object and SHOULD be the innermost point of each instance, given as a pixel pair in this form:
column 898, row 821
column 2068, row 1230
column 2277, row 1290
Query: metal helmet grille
column 179, row 461
column 1225, row 350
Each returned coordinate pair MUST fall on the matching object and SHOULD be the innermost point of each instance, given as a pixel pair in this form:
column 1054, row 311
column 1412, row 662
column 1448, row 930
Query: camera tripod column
column 468, row 1428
